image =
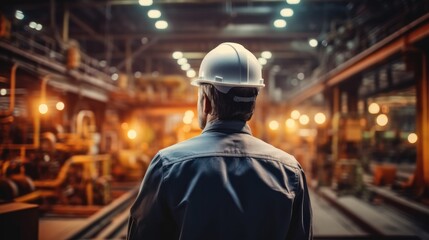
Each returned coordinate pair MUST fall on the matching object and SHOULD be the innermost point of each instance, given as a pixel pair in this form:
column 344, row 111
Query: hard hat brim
column 198, row 81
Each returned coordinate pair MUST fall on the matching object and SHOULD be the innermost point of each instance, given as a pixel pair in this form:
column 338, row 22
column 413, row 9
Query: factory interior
column 91, row 90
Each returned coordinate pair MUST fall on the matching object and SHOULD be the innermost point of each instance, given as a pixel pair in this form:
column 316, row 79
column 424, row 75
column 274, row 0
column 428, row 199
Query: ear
column 207, row 106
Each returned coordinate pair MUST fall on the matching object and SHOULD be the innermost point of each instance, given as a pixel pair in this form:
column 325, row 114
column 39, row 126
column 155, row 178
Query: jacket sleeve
column 301, row 222
column 148, row 215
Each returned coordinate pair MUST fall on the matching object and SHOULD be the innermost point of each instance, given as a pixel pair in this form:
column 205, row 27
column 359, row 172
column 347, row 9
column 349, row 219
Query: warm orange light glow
column 374, row 108
column 189, row 115
column 43, row 108
column 320, row 118
column 304, row 119
column 295, row 114
column 274, row 125
column 290, row 124
column 124, row 125
column 60, row 106
column 382, row 120
column 132, row 134
column 412, row 138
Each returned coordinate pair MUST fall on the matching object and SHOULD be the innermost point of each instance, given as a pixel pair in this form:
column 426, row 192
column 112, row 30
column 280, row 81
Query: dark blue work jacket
column 223, row 184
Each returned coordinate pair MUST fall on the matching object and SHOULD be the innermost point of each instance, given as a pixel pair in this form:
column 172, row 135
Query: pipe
column 9, row 111
column 80, row 121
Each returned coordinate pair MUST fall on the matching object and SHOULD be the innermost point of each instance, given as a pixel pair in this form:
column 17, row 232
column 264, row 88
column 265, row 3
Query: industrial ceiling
column 122, row 37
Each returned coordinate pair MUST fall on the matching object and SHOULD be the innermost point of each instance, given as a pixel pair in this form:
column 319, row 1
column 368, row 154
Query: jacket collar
column 227, row 126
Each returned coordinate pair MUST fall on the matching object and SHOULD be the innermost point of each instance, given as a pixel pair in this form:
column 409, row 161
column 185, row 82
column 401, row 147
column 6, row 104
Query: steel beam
column 394, row 44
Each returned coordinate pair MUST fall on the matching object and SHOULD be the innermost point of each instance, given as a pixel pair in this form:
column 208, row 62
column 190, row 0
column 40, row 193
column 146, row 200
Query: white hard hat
column 230, row 65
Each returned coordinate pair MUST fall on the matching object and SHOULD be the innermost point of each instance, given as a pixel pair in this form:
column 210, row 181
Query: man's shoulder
column 270, row 152
column 182, row 149
column 208, row 146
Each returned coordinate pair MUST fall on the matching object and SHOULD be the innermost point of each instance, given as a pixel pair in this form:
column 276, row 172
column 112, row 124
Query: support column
column 421, row 182
column 66, row 24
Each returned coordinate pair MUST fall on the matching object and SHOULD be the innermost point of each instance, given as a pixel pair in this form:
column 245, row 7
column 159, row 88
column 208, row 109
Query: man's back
column 223, row 184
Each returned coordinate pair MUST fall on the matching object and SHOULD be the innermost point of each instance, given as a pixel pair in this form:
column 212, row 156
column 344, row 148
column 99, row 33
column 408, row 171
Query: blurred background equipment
column 91, row 90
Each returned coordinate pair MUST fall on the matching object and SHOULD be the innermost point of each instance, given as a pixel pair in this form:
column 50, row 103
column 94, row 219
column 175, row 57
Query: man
column 224, row 183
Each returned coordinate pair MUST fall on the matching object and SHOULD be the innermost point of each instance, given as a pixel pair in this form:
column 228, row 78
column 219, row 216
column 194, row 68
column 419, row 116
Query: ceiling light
column 382, row 120
column 137, row 74
column 374, row 108
column 262, row 61
column 300, row 76
column 43, row 108
column 132, row 134
column 185, row 67
column 153, row 13
column 3, row 91
column 320, row 118
column 102, row 63
column 19, row 15
column 412, row 138
column 266, row 54
column 177, row 55
column 313, row 42
column 32, row 25
column 145, row 2
column 304, row 119
column 144, row 40
column 161, row 24
column 60, row 106
column 279, row 23
column 115, row 76
column 182, row 61
column 295, row 114
column 39, row 27
column 290, row 124
column 191, row 73
column 286, row 12
column 293, row 1
column 273, row 125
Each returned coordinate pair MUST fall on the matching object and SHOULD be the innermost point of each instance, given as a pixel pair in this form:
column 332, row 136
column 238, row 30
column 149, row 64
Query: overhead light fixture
column 145, row 2
column 262, row 61
column 382, row 120
column 19, row 15
column 286, row 12
column 313, row 42
column 137, row 74
column 293, row 1
column 304, row 119
column 290, row 124
column 177, row 55
column 39, row 27
column 279, row 23
column 412, row 138
column 320, row 118
column 191, row 73
column 32, row 25
column 115, row 76
column 154, row 13
column 374, row 108
column 132, row 134
column 43, row 108
column 182, row 61
column 300, row 76
column 102, row 63
column 3, row 91
column 144, row 40
column 161, row 24
column 295, row 114
column 266, row 54
column 185, row 67
column 60, row 106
